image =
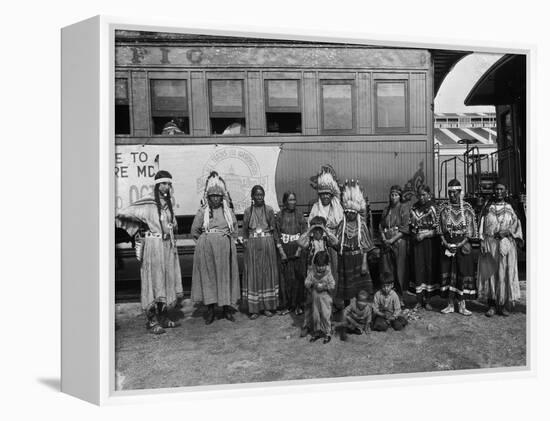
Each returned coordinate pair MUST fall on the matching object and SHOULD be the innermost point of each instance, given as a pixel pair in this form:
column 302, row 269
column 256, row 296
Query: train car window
column 282, row 106
column 337, row 103
column 391, row 106
column 122, row 107
column 169, row 107
column 227, row 107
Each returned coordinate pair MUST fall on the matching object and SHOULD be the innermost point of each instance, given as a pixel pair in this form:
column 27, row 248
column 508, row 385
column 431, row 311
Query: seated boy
column 386, row 306
column 357, row 316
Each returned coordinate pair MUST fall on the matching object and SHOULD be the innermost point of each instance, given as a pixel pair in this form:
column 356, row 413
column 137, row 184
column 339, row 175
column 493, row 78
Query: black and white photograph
column 293, row 209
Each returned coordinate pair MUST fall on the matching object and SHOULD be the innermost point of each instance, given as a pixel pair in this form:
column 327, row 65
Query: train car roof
column 443, row 60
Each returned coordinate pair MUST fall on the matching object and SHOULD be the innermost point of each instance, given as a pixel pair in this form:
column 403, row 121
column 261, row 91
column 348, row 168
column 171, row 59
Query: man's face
column 351, row 216
column 215, row 200
column 325, row 198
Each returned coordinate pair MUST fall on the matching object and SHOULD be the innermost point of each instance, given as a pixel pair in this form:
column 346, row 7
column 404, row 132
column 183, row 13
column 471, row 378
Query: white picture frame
column 88, row 187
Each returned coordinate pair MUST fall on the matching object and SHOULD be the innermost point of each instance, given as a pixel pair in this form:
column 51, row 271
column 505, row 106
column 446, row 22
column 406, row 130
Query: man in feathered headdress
column 154, row 218
column 355, row 242
column 215, row 271
column 329, row 207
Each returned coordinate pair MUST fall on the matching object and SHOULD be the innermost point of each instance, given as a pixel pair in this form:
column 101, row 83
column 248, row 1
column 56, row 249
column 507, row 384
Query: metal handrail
column 446, row 163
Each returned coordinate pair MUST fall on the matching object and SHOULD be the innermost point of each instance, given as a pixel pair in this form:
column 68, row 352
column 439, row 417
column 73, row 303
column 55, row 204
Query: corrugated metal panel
column 364, row 112
column 198, row 102
column 255, row 104
column 418, row 103
column 378, row 165
column 140, row 104
column 310, row 103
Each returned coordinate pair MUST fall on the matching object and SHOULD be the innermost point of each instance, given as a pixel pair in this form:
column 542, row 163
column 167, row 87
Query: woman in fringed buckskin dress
column 161, row 286
column 500, row 234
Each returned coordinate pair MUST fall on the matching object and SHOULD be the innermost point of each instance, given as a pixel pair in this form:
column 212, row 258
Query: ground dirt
column 270, row 349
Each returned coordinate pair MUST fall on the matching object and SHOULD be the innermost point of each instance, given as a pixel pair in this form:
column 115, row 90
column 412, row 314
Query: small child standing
column 357, row 316
column 386, row 307
column 317, row 239
column 320, row 284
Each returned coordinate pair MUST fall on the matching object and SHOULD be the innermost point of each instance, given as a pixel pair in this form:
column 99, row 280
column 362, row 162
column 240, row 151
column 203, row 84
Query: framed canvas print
column 244, row 209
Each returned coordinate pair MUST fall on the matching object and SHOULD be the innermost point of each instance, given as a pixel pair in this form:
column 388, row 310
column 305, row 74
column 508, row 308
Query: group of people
column 319, row 266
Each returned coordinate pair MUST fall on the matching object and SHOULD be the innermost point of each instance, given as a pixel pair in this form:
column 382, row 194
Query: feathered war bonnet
column 352, row 197
column 352, row 200
column 326, row 183
column 215, row 185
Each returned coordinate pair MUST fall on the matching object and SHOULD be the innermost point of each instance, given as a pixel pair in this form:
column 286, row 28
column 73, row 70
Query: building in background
column 465, row 148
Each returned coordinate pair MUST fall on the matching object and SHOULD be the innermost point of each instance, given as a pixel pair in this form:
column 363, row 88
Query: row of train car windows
column 283, row 106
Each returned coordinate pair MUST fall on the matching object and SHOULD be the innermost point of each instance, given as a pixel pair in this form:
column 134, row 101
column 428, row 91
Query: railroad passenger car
column 269, row 112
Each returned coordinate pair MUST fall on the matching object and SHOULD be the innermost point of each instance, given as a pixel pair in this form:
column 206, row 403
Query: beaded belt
column 215, row 231
column 457, row 233
column 352, row 252
column 288, row 238
column 260, row 234
column 498, row 236
column 149, row 234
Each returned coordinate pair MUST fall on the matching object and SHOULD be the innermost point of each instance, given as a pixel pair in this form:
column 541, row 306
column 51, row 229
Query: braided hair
column 168, row 198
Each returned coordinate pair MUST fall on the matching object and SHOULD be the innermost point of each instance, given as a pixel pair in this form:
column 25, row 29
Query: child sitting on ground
column 357, row 316
column 386, row 306
column 320, row 284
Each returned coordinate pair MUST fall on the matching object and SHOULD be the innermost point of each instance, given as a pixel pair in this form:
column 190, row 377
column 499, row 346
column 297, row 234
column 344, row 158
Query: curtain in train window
column 122, row 107
column 337, row 106
column 227, row 107
column 283, row 111
column 169, row 106
column 391, row 110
